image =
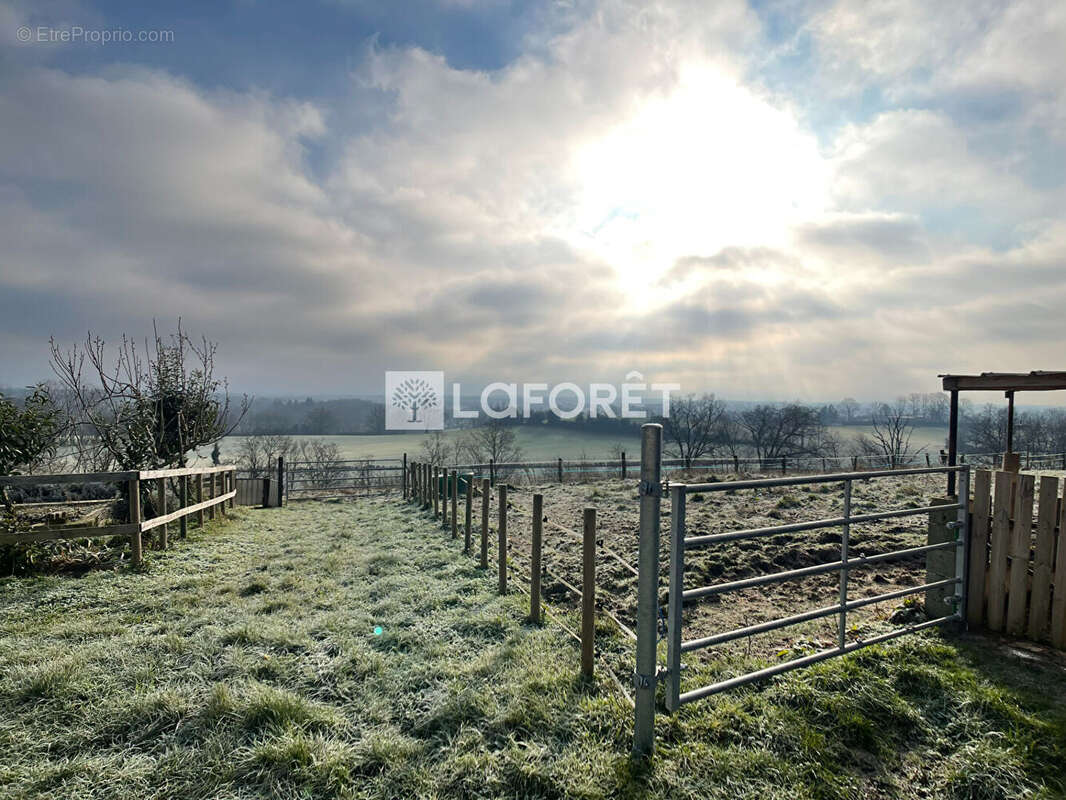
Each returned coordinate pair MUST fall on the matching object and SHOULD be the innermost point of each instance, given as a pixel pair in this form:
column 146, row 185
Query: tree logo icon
column 415, row 394
column 414, row 401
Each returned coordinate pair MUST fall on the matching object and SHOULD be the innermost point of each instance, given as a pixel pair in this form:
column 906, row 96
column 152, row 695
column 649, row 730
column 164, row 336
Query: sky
column 768, row 200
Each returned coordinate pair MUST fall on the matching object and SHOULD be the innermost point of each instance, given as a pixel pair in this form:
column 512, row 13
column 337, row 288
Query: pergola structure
column 1008, row 383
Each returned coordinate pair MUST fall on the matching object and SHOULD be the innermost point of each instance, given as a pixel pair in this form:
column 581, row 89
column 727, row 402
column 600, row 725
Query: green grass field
column 351, row 650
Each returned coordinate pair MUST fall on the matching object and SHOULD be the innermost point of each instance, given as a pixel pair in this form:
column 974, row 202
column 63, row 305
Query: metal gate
column 651, row 491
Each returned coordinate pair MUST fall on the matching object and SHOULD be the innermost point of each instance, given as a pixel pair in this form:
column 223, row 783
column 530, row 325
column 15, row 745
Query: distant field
column 544, row 443
column 537, row 445
column 932, row 439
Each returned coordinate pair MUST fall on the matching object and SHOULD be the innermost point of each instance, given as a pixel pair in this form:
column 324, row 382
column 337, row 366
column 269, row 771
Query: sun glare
column 711, row 165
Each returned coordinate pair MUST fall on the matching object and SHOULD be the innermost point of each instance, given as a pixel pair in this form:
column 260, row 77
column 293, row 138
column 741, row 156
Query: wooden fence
column 1017, row 559
column 214, row 488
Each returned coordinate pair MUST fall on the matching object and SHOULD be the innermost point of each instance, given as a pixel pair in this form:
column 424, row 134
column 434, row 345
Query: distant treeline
column 311, row 417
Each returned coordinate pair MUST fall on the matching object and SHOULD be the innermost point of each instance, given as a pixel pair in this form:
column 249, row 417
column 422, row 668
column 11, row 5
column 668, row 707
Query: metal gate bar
column 678, row 596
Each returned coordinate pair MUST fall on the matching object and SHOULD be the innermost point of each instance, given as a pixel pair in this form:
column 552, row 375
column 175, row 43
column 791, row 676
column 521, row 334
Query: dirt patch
column 617, row 509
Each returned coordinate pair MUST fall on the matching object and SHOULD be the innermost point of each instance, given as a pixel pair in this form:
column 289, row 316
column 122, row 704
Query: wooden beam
column 55, row 534
column 147, row 525
column 77, row 477
column 1006, row 381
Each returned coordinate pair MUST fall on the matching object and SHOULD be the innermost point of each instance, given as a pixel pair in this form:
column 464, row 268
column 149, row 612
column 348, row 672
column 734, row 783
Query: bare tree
column 692, row 427
column 435, row 449
column 985, row 431
column 891, row 438
column 258, row 455
column 783, row 431
column 850, row 407
column 150, row 406
column 320, row 461
column 495, row 440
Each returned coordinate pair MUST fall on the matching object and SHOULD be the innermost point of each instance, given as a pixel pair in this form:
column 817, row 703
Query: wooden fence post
column 265, row 493
column 1058, row 605
column 222, row 490
column 435, row 488
column 535, row 564
column 736, row 465
column 623, row 465
column 975, row 591
column 281, row 481
column 492, row 472
column 455, row 504
column 486, row 491
column 784, row 465
column 588, row 594
column 161, row 502
column 469, row 511
column 560, row 470
column 442, row 494
column 183, row 485
column 200, row 499
column 136, row 553
column 1021, row 541
column 231, row 476
column 404, row 476
column 998, row 544
column 211, row 494
column 501, row 533
column 1043, row 558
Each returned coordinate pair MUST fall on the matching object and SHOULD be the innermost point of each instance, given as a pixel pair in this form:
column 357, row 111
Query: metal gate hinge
column 644, row 681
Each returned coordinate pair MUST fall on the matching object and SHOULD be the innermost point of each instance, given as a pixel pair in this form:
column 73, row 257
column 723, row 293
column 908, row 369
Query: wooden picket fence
column 1017, row 559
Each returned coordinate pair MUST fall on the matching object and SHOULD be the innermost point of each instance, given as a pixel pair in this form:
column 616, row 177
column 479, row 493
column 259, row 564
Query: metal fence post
column 501, row 531
column 845, row 538
column 588, row 593
column 962, row 550
column 650, row 490
column 486, row 492
column 677, row 575
column 535, row 560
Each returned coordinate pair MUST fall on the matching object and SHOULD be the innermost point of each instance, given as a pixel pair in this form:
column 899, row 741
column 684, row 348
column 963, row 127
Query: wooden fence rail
column 220, row 492
column 1017, row 569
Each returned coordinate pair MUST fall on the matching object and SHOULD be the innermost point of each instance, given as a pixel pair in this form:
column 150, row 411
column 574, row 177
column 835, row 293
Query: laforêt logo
column 414, row 401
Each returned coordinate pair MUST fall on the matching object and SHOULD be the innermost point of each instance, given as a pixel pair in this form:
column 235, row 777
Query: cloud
column 626, row 194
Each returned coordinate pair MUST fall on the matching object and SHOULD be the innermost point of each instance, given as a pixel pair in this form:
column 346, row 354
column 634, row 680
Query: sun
column 710, row 165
